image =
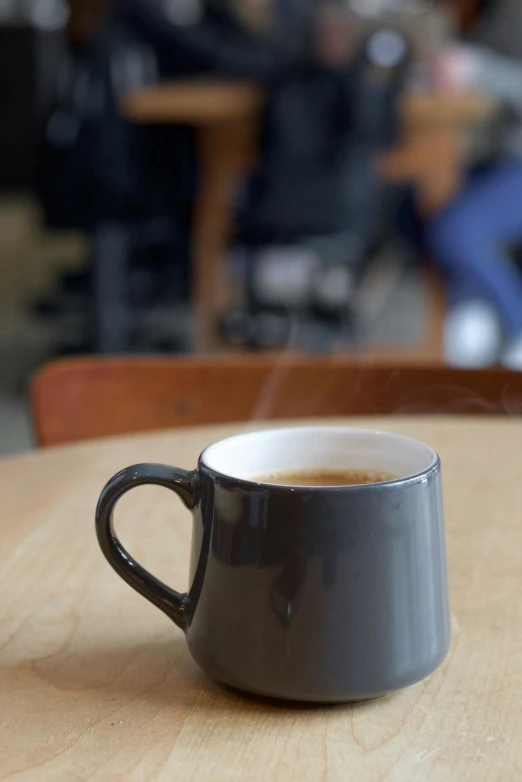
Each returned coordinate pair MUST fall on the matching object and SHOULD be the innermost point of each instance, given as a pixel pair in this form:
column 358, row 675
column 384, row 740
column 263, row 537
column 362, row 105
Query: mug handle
column 185, row 485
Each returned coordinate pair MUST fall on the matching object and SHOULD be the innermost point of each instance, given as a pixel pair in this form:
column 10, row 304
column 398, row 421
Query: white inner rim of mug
column 249, row 456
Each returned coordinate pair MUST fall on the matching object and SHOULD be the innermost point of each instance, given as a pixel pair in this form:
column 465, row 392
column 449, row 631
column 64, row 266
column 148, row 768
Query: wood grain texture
column 96, row 685
column 79, row 399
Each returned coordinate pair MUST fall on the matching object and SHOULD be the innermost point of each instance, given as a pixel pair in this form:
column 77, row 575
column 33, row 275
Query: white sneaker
column 333, row 287
column 512, row 358
column 284, row 276
column 473, row 336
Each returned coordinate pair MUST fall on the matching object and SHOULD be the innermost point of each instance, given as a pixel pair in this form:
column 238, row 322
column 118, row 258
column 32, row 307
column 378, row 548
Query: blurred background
column 194, row 176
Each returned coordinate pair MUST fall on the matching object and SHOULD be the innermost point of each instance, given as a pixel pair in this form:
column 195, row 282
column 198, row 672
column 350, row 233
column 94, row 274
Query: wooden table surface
column 97, row 685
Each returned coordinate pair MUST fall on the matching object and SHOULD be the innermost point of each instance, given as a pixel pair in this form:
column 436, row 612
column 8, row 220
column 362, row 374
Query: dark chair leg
column 111, row 310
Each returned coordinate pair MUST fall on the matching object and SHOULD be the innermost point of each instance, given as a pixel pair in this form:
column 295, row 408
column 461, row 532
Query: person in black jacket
column 211, row 39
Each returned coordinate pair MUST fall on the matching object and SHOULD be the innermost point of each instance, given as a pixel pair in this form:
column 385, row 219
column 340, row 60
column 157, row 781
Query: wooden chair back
column 81, row 399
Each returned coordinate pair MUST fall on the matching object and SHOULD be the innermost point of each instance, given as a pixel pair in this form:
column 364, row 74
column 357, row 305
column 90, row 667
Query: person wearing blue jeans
column 473, row 238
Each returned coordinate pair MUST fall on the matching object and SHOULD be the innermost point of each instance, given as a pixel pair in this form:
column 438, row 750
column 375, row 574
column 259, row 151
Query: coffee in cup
column 324, row 477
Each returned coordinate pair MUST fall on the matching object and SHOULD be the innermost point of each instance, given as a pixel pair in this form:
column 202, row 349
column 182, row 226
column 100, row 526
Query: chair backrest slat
column 81, row 399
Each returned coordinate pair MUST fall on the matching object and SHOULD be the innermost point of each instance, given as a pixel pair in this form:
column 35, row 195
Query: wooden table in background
column 226, row 116
column 431, row 153
column 98, row 685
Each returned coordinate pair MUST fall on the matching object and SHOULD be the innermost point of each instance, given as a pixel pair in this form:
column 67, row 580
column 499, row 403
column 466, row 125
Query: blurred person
column 319, row 203
column 94, row 166
column 473, row 236
column 109, row 178
column 217, row 37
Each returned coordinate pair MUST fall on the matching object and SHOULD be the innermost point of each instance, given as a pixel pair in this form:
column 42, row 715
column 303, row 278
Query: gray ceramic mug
column 325, row 594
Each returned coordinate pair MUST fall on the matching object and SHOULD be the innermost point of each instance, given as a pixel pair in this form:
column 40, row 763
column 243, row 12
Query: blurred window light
column 386, row 48
column 183, row 12
column 375, row 8
column 48, row 15
column 372, row 8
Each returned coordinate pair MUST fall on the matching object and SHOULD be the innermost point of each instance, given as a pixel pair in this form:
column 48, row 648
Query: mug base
column 321, row 691
column 298, row 699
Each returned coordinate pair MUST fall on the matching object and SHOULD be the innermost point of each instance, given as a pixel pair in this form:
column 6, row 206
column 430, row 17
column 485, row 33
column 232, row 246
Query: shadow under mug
column 326, row 594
